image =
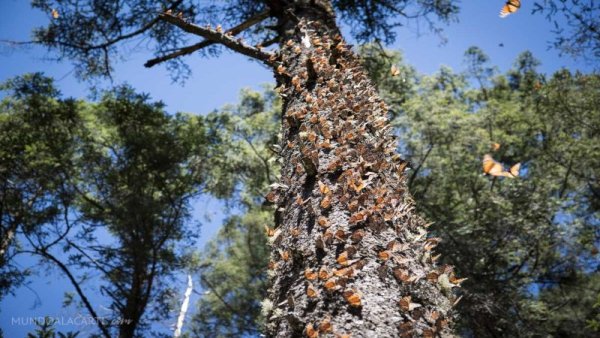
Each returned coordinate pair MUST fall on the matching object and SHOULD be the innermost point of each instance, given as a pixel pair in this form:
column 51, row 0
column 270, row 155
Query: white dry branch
column 184, row 307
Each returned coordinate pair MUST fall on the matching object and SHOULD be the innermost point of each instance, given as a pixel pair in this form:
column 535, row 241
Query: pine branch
column 205, row 43
column 218, row 37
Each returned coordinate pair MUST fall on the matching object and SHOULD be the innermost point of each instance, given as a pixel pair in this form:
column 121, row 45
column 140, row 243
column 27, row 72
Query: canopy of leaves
column 36, row 142
column 517, row 240
column 138, row 169
column 101, row 190
column 95, row 34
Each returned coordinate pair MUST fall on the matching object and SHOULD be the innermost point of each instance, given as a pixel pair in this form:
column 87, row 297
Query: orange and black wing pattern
column 514, row 170
column 491, row 167
column 510, row 7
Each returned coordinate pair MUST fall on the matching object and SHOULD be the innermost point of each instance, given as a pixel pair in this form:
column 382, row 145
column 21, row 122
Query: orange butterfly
column 511, row 6
column 493, row 168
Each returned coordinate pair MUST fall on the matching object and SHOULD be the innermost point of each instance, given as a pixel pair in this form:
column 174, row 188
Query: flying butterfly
column 493, row 168
column 510, row 7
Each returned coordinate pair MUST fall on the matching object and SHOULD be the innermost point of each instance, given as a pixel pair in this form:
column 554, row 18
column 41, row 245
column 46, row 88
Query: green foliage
column 594, row 322
column 241, row 160
column 234, row 278
column 45, row 329
column 528, row 245
column 100, row 189
column 91, row 33
column 139, row 168
column 567, row 310
column 36, row 134
column 508, row 235
column 233, row 264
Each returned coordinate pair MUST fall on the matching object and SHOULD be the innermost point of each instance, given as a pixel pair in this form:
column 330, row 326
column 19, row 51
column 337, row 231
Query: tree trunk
column 350, row 255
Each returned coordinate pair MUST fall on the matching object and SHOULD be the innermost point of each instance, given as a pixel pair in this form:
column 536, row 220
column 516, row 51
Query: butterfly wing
column 511, row 6
column 491, row 167
column 488, row 163
column 497, row 170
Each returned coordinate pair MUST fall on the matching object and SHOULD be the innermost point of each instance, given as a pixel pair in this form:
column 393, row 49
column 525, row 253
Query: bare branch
column 218, row 37
column 227, row 305
column 263, row 160
column 270, row 42
column 184, row 307
column 17, row 43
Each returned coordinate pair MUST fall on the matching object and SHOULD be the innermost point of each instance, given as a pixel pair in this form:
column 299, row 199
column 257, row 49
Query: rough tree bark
column 350, row 255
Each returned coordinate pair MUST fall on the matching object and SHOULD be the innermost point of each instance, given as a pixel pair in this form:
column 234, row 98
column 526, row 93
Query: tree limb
column 227, row 305
column 75, row 284
column 263, row 160
column 416, row 171
column 205, row 43
column 184, row 307
column 218, row 37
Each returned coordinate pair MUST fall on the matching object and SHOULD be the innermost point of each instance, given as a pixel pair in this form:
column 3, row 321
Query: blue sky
column 217, row 81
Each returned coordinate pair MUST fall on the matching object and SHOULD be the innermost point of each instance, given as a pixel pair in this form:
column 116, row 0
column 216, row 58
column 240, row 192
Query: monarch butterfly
column 352, row 297
column 514, row 170
column 493, row 168
column 511, row 6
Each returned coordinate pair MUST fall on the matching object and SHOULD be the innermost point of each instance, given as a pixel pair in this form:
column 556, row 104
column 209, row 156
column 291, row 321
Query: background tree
column 106, row 188
column 36, row 140
column 520, row 242
column 233, row 265
column 139, row 169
